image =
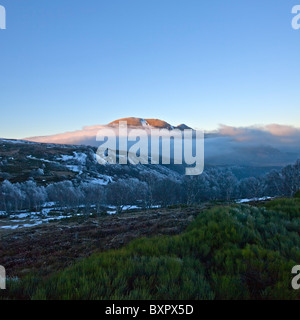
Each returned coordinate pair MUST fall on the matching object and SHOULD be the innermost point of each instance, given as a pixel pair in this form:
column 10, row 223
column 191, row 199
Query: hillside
column 27, row 249
column 228, row 252
column 48, row 163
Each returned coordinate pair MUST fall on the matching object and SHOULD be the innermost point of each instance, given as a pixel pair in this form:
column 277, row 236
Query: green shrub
column 297, row 194
column 234, row 252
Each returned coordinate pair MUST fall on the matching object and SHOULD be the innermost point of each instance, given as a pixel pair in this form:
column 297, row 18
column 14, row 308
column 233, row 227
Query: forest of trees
column 149, row 190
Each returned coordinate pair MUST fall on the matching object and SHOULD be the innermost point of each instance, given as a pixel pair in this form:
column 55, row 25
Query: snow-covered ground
column 78, row 156
column 125, row 208
column 28, row 219
column 253, row 199
column 31, row 219
column 101, row 179
column 43, row 160
column 74, row 168
column 16, row 141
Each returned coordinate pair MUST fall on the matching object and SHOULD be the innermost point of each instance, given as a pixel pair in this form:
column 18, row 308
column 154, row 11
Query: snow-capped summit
column 87, row 136
column 140, row 122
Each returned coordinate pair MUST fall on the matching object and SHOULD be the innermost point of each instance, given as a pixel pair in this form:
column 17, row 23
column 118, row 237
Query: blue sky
column 68, row 64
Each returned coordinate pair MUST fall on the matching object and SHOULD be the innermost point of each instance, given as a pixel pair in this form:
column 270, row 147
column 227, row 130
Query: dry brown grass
column 49, row 247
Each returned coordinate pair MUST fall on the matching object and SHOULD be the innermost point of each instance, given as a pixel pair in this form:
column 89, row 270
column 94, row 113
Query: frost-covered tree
column 12, row 196
column 251, row 188
column 291, row 179
column 65, row 194
column 166, row 191
column 126, row 192
column 93, row 195
column 35, row 196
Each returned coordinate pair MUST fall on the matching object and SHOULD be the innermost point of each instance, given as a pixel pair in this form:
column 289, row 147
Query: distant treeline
column 149, row 190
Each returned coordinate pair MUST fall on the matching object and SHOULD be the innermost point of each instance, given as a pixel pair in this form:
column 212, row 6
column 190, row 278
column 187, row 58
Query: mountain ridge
column 87, row 135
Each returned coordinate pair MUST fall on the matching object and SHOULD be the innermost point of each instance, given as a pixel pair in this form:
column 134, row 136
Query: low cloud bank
column 270, row 145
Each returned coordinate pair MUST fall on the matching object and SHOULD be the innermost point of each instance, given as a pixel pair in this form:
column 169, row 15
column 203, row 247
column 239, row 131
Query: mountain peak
column 87, row 136
column 183, row 127
column 140, row 122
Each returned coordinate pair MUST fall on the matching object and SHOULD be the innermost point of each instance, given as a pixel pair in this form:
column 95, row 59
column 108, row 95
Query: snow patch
column 80, row 157
column 254, row 199
column 74, row 168
column 43, row 160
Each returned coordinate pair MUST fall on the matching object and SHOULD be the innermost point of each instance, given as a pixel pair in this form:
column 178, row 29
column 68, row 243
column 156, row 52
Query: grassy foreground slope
column 234, row 252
